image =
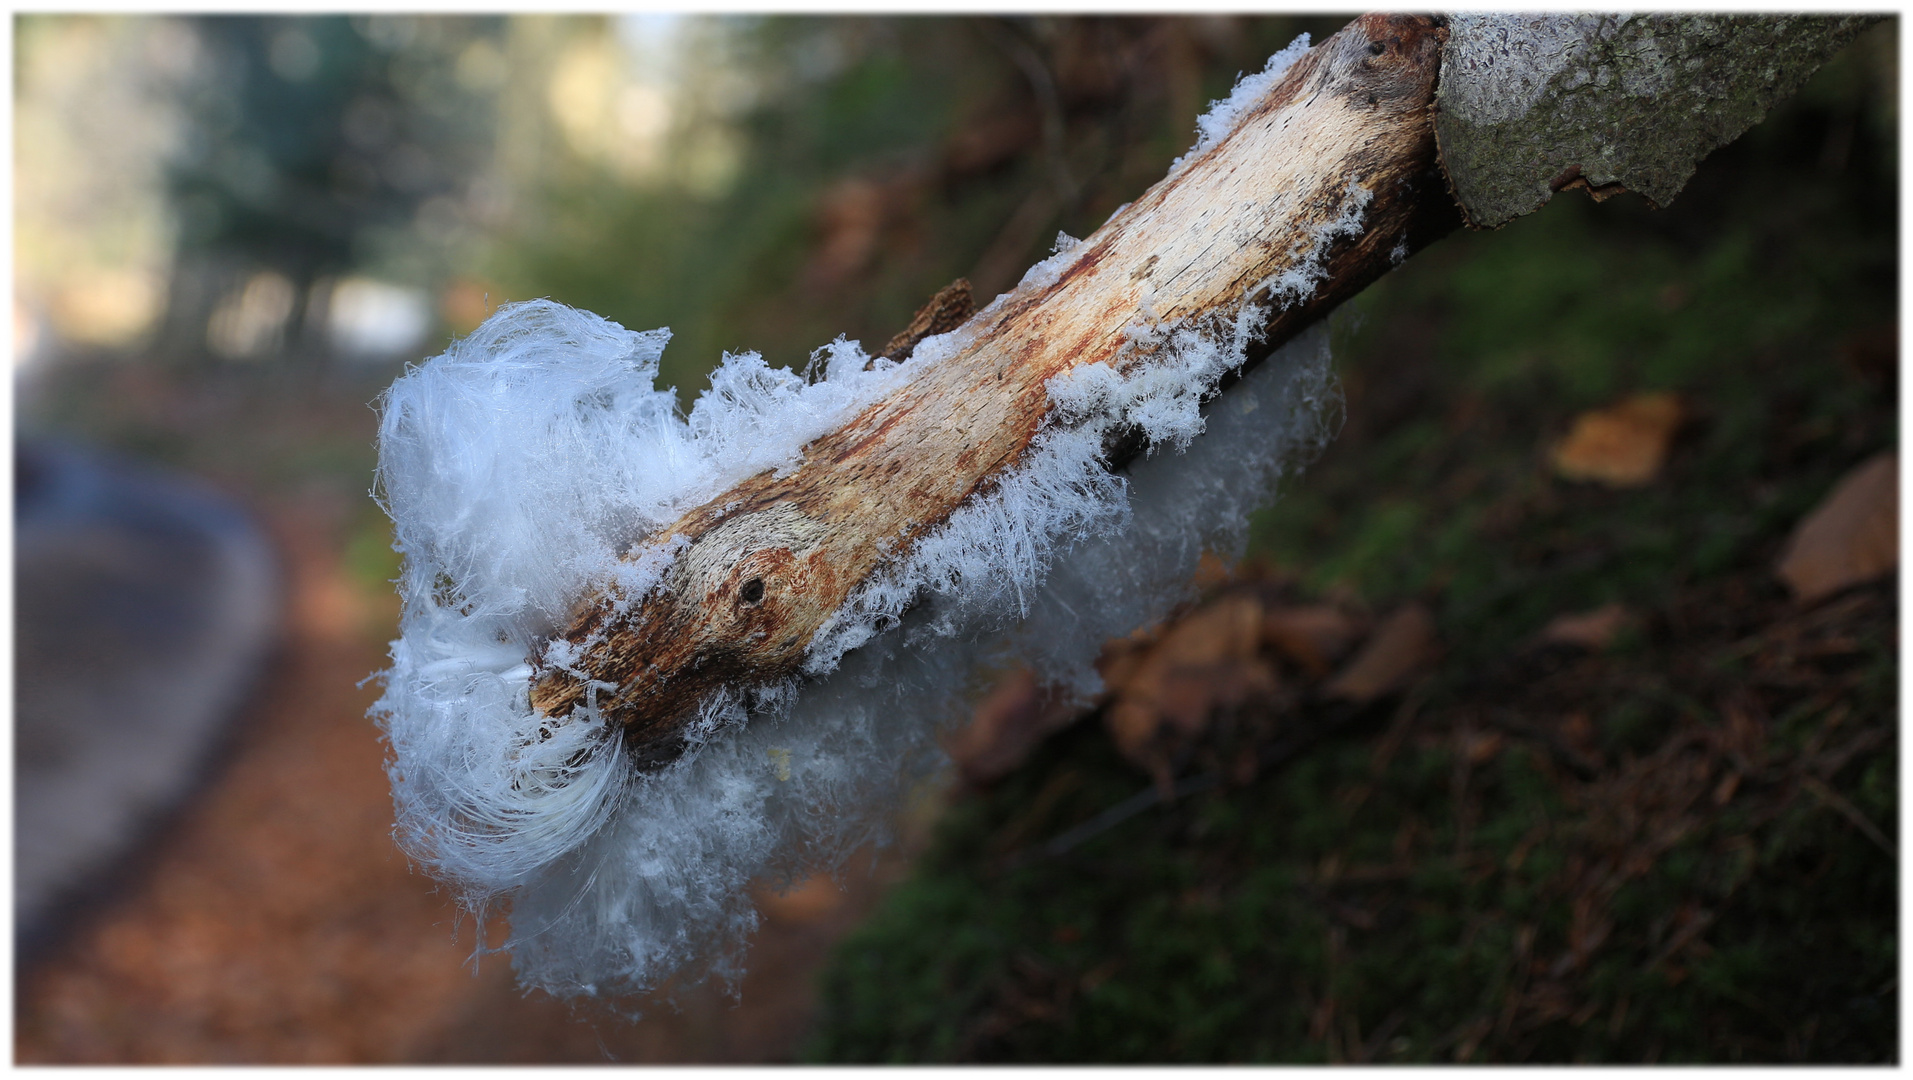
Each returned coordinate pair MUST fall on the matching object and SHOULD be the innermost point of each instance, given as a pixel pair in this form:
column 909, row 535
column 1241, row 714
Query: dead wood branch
column 1348, row 131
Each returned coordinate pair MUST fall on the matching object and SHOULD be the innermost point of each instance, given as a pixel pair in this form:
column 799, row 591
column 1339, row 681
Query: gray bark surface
column 1531, row 104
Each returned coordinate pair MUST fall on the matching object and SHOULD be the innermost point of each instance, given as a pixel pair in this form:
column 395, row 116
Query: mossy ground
column 1681, row 848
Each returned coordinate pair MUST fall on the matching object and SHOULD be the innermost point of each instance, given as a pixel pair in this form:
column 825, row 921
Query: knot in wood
column 722, row 613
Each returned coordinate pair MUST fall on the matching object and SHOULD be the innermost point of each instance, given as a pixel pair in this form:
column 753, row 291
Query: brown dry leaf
column 1122, row 656
column 1852, row 536
column 1205, row 661
column 1482, row 746
column 1009, row 723
column 1591, row 630
column 1313, row 635
column 1211, row 571
column 1623, row 445
column 1404, row 642
column 808, row 901
column 1577, row 730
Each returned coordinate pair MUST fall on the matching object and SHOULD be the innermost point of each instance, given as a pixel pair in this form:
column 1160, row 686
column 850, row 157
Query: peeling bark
column 768, row 562
column 950, row 308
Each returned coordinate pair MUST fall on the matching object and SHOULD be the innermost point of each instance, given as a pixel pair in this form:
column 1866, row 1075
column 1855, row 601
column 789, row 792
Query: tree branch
column 1317, row 191
column 1322, row 185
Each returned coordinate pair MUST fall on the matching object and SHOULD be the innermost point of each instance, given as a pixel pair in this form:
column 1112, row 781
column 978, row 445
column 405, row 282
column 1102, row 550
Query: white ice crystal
column 517, row 468
column 616, row 879
column 526, row 468
column 1223, row 115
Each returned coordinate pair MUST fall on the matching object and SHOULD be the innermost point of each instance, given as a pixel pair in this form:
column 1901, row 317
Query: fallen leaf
column 1578, row 731
column 1623, row 445
column 1016, row 716
column 1851, row 537
column 1591, row 630
column 804, row 902
column 1313, row 636
column 1205, row 661
column 1122, row 656
column 1481, row 746
column 1211, row 571
column 1402, row 643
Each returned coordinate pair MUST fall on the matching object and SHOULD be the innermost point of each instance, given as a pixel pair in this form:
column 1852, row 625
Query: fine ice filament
column 528, row 465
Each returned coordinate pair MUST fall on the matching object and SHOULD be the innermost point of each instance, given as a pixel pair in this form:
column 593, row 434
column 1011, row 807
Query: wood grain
column 770, row 560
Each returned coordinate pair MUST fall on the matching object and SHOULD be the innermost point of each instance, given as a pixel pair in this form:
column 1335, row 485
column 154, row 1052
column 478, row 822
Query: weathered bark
column 1533, row 104
column 950, row 308
column 769, row 561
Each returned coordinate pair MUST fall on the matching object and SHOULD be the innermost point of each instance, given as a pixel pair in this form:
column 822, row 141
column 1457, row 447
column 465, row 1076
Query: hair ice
column 526, row 467
column 616, row 879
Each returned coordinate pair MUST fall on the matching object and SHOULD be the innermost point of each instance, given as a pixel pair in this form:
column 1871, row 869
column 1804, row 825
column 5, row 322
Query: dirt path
column 275, row 922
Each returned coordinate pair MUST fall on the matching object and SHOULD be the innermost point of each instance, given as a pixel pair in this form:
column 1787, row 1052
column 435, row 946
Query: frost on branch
column 519, row 466
column 532, row 466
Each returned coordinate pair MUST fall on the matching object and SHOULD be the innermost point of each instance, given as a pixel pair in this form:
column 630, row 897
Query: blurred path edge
column 147, row 605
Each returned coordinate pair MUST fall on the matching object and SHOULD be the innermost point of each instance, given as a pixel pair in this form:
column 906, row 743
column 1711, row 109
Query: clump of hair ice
column 527, row 466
